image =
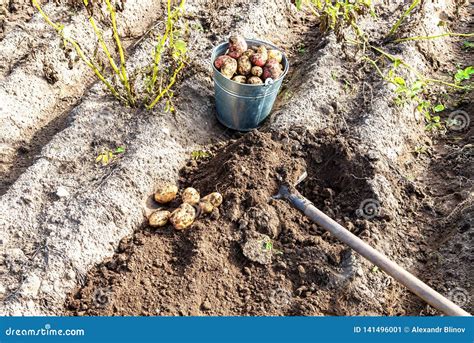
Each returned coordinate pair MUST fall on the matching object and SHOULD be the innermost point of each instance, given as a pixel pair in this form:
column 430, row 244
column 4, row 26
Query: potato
column 275, row 54
column 248, row 53
column 183, row 216
column 272, row 71
column 272, row 62
column 159, row 218
column 190, row 196
column 256, row 71
column 260, row 57
column 166, row 193
column 254, row 80
column 244, row 65
column 205, row 207
column 239, row 79
column 257, row 59
column 229, row 67
column 237, row 46
column 215, row 198
column 219, row 61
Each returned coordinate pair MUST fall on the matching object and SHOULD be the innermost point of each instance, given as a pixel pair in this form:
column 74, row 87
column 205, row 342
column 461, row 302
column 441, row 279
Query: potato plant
column 340, row 14
column 168, row 58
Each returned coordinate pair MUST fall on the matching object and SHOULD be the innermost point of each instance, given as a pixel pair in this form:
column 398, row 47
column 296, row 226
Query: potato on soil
column 215, row 198
column 239, row 79
column 205, row 207
column 243, row 65
column 191, row 196
column 237, row 46
column 254, row 80
column 275, row 54
column 183, row 216
column 166, row 193
column 256, row 71
column 159, row 218
column 229, row 68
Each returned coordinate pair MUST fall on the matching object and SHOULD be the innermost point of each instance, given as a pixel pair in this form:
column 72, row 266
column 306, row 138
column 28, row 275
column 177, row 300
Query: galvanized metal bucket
column 240, row 106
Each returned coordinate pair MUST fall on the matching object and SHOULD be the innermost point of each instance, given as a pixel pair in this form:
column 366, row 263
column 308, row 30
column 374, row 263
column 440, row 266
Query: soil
column 205, row 270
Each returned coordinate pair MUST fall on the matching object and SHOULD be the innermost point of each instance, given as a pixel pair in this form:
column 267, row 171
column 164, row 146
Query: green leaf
column 467, row 45
column 298, row 4
column 120, row 150
column 180, row 45
column 464, row 74
column 399, row 80
column 439, row 108
column 417, row 86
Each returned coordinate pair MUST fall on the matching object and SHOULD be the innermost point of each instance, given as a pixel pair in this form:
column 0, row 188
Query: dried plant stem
column 447, row 34
column 59, row 29
column 402, row 18
column 123, row 70
column 167, row 88
column 419, row 75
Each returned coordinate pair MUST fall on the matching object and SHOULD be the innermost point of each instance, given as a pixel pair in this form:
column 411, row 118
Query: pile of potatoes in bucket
column 249, row 65
column 192, row 207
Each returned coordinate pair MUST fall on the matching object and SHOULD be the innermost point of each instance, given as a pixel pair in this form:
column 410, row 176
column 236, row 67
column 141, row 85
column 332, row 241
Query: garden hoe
column 398, row 273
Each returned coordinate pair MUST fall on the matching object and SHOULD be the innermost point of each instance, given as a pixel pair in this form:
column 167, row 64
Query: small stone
column 206, row 306
column 247, row 271
column 31, row 286
column 256, row 249
column 301, row 269
column 62, row 192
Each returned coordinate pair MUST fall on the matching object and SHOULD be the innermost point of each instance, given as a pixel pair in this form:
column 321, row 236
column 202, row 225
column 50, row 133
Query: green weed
column 107, row 156
column 339, row 14
column 466, row 45
column 200, row 154
column 463, row 74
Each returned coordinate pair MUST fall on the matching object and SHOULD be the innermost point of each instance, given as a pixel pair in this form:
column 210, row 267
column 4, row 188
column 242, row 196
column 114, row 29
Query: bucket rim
column 285, row 71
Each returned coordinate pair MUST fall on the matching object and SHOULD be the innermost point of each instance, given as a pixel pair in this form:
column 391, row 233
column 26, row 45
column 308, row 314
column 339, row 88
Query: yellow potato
column 276, row 54
column 229, row 68
column 239, row 79
column 159, row 218
column 183, row 216
column 205, row 207
column 214, row 198
column 191, row 196
column 254, row 80
column 166, row 193
column 256, row 71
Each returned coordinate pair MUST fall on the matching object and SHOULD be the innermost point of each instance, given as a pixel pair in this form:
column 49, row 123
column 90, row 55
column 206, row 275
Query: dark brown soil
column 203, row 270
